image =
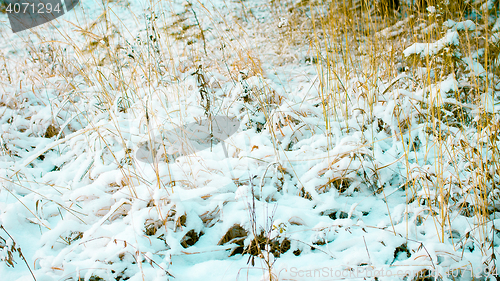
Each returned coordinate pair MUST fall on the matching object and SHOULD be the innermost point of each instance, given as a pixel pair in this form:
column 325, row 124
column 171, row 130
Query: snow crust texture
column 211, row 140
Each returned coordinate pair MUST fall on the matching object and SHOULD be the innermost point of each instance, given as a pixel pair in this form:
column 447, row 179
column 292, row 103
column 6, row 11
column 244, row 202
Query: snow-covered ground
column 100, row 180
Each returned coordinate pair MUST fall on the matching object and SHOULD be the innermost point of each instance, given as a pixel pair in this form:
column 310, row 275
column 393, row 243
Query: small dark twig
column 201, row 29
column 19, row 252
column 368, row 252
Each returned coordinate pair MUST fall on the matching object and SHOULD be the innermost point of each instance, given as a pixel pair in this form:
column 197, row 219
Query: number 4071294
column 40, row 8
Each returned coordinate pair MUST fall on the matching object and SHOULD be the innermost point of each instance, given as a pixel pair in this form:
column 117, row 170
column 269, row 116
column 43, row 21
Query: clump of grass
column 445, row 138
column 447, row 90
column 9, row 247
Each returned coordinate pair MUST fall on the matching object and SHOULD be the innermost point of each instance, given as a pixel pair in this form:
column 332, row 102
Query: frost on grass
column 130, row 154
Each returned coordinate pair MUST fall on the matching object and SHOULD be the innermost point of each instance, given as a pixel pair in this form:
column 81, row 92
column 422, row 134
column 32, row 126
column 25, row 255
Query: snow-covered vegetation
column 252, row 140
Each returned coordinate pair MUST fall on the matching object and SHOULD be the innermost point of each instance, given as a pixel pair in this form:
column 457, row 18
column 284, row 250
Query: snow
column 430, row 49
column 119, row 190
column 496, row 26
column 463, row 25
column 474, row 67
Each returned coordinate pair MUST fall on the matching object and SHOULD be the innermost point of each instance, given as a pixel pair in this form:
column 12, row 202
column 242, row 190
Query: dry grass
column 450, row 163
column 460, row 159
